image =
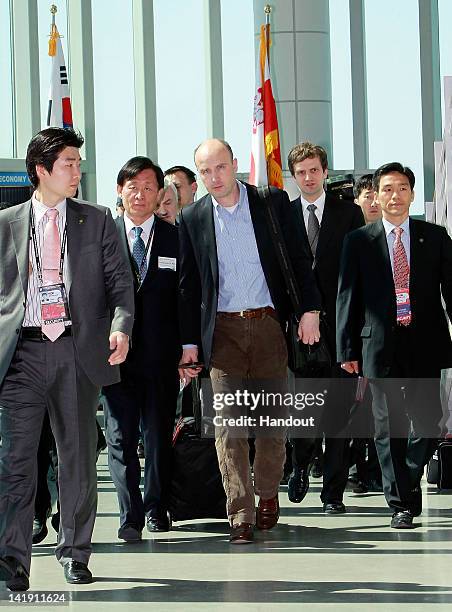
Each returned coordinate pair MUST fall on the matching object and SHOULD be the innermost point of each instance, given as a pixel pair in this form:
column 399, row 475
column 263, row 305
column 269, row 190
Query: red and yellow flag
column 266, row 165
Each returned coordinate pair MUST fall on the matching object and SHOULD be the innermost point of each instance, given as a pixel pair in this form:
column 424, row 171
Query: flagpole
column 53, row 32
column 268, row 10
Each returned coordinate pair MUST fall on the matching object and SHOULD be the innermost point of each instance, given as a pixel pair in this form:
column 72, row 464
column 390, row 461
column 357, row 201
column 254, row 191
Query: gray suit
column 62, row 377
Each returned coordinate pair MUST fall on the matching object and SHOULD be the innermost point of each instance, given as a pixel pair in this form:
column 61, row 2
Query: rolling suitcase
column 196, row 485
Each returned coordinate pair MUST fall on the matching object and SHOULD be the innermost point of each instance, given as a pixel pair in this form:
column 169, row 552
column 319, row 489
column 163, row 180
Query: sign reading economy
column 14, row 179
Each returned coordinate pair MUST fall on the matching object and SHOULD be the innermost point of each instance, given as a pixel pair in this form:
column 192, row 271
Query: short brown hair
column 306, row 150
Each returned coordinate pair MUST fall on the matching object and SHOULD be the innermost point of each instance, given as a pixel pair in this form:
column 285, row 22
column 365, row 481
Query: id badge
column 54, row 304
column 167, row 263
column 403, row 303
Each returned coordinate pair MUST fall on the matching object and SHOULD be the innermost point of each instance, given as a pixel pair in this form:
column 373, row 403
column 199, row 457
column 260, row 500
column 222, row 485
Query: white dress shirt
column 32, row 305
column 147, row 229
column 320, row 203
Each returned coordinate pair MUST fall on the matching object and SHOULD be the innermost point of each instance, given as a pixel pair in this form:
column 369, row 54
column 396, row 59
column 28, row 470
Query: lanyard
column 148, row 244
column 36, row 250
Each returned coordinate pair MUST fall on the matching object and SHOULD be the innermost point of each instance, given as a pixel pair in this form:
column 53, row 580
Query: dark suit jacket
column 339, row 218
column 199, row 266
column 366, row 306
column 155, row 336
column 99, row 285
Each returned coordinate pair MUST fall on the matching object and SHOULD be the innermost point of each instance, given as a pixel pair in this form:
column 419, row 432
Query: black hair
column 191, row 176
column 388, row 169
column 45, row 147
column 364, row 183
column 135, row 165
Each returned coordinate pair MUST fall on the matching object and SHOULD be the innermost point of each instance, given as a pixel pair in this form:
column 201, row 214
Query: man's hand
column 189, row 355
column 308, row 328
column 119, row 344
column 350, row 366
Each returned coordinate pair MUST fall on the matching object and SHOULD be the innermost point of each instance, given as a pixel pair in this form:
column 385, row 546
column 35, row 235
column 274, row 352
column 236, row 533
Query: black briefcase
column 439, row 468
column 433, row 469
column 445, row 465
column 308, row 360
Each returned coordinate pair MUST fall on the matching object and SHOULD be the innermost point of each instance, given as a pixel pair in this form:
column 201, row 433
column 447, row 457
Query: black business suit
column 338, row 219
column 61, row 377
column 149, row 386
column 367, row 331
column 199, row 266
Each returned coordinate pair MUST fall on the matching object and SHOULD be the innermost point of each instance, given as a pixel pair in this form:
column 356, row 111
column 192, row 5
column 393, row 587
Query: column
column 430, row 89
column 214, row 69
column 359, row 85
column 25, row 61
column 144, row 72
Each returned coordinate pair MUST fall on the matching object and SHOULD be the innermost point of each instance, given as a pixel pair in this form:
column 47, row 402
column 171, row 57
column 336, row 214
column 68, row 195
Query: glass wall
column 114, row 105
column 237, row 33
column 393, row 81
column 180, row 80
column 6, row 97
column 341, row 85
column 394, row 87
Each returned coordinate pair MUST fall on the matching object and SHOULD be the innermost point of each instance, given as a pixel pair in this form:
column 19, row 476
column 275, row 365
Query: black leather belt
column 35, row 333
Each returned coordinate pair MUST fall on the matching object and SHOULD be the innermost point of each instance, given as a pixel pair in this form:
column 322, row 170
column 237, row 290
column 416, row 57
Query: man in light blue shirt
column 234, row 307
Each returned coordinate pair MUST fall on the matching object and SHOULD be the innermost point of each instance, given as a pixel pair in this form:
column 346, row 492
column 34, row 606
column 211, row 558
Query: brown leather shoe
column 267, row 513
column 242, row 533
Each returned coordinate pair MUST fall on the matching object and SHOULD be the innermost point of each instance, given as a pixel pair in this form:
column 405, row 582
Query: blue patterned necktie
column 138, row 252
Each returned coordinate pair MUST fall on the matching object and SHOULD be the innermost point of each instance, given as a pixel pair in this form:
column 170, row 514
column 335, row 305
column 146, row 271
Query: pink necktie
column 51, row 253
column 401, row 271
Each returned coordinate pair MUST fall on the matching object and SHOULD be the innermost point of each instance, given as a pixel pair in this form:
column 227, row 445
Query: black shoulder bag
column 304, row 359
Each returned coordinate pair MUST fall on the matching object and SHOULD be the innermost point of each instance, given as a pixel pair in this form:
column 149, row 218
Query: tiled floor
column 348, row 562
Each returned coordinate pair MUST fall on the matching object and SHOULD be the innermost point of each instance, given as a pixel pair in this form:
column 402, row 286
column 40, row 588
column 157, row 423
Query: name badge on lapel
column 167, row 263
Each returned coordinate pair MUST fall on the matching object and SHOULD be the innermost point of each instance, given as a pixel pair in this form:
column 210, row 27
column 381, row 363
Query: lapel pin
column 80, row 221
column 421, row 240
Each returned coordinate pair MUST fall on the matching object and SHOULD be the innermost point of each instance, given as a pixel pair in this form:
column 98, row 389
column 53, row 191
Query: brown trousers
column 250, row 349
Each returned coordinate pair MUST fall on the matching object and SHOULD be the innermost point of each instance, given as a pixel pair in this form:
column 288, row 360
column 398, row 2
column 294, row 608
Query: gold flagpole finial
column 267, row 9
column 53, row 32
